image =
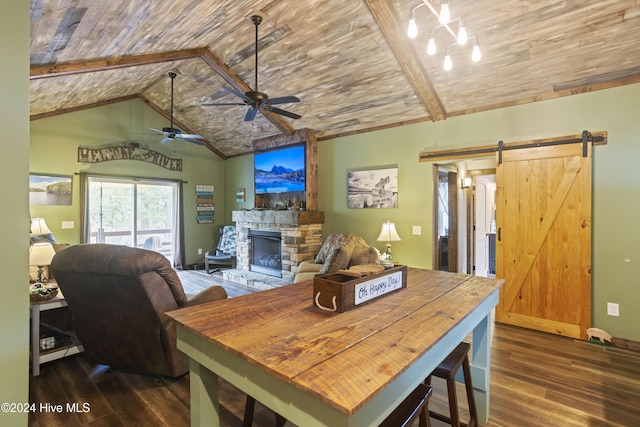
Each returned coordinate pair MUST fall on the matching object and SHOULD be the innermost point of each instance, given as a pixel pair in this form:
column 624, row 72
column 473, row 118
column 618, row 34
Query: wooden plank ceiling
column 350, row 62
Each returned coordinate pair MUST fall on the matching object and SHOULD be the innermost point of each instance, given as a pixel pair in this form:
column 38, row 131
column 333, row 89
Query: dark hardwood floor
column 537, row 379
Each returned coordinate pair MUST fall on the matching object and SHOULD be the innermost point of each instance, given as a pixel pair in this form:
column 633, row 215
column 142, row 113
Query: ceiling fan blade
column 189, row 136
column 283, row 100
column 166, row 140
column 251, row 114
column 238, row 94
column 222, row 103
column 159, row 131
column 283, row 112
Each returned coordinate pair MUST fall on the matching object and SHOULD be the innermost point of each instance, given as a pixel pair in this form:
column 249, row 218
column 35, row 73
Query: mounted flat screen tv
column 280, row 171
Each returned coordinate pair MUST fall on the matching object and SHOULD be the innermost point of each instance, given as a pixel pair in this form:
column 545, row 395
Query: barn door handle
column 499, row 234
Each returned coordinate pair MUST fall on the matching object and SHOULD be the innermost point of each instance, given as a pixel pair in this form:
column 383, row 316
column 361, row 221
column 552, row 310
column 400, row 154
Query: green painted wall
column 616, row 187
column 14, row 215
column 616, row 179
column 239, row 174
column 54, row 145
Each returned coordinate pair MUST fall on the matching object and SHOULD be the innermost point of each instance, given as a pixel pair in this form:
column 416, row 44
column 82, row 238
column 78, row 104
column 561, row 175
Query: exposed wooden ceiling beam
column 94, row 65
column 80, row 107
column 238, row 84
column 387, row 19
column 180, row 125
column 124, row 98
column 630, row 74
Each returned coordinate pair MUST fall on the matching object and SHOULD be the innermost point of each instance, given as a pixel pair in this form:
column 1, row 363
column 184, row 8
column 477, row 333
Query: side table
column 38, row 357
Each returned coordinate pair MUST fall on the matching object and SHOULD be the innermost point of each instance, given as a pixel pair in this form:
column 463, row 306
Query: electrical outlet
column 613, row 309
column 199, row 251
column 417, row 230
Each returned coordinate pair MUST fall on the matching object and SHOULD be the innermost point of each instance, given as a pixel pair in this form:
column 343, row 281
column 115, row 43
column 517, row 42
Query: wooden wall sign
column 240, row 195
column 127, row 151
column 204, row 204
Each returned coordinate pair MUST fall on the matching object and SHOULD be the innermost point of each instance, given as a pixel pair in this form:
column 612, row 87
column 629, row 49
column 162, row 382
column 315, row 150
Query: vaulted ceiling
column 349, row 61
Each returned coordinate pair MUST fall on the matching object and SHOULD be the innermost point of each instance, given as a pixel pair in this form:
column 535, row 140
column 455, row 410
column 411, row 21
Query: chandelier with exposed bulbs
column 444, row 19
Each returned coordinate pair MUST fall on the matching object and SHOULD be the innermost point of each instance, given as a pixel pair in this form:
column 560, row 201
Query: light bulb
column 431, row 46
column 445, row 13
column 412, row 31
column 448, row 64
column 462, row 34
column 475, row 53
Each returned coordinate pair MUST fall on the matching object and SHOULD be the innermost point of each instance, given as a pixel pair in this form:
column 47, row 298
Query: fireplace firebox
column 265, row 247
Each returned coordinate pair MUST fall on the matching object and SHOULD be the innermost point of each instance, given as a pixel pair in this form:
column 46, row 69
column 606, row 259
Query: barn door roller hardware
column 599, row 138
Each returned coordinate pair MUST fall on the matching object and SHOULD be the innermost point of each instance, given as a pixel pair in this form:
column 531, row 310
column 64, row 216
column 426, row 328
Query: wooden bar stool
column 447, row 370
column 248, row 414
column 414, row 406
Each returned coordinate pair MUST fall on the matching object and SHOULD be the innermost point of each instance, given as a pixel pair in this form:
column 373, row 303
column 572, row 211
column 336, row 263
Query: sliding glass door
column 132, row 212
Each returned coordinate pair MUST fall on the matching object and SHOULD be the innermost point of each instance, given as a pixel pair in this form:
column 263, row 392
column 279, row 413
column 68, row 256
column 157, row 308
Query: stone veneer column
column 299, row 244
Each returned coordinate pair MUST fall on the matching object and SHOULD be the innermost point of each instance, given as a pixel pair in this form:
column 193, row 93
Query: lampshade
column 41, row 254
column 39, row 227
column 388, row 233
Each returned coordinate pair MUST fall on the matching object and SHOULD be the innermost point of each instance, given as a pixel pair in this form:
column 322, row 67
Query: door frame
column 452, row 204
column 471, row 201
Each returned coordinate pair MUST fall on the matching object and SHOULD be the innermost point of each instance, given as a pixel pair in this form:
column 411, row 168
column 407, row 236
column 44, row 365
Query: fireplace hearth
column 265, row 249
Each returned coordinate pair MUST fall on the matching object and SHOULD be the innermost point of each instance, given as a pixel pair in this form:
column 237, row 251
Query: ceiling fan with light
column 256, row 100
column 172, row 133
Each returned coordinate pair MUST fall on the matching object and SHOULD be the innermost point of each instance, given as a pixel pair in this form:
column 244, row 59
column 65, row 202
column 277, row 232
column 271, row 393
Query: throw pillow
column 339, row 258
column 328, row 247
column 367, row 255
column 228, row 244
column 359, row 242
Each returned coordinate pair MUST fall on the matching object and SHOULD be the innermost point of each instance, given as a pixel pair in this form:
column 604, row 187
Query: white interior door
column 485, row 188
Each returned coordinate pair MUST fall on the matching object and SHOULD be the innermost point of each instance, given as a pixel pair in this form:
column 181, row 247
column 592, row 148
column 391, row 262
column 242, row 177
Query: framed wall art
column 50, row 189
column 372, row 188
column 241, row 195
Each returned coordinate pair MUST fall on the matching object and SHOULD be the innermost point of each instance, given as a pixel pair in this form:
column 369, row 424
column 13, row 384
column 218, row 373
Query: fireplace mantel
column 279, row 217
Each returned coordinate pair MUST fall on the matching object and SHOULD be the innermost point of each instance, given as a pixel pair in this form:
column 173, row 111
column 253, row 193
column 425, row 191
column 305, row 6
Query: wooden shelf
column 39, row 356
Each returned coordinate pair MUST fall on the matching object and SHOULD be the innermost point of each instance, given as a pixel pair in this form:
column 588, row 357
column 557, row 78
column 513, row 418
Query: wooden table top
column 342, row 358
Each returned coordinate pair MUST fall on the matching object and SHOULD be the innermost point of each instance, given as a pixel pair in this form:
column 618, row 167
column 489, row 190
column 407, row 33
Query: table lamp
column 388, row 234
column 41, row 254
column 39, row 227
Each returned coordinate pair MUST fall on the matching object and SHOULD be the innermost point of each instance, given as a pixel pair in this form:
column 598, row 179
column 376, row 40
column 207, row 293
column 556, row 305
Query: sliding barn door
column 543, row 207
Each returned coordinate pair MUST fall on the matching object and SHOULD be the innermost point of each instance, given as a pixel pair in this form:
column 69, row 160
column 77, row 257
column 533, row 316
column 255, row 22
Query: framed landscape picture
column 372, row 188
column 50, row 189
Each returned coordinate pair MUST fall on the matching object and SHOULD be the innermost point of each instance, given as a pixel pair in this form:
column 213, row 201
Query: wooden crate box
column 339, row 292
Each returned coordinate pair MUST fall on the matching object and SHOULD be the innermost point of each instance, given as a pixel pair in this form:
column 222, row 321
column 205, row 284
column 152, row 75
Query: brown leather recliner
column 117, row 296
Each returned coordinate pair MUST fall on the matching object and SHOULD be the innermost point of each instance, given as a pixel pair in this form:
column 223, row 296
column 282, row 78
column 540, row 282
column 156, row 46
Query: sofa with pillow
column 338, row 252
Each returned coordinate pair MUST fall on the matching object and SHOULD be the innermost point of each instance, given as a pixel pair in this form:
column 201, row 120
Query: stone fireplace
column 300, row 240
